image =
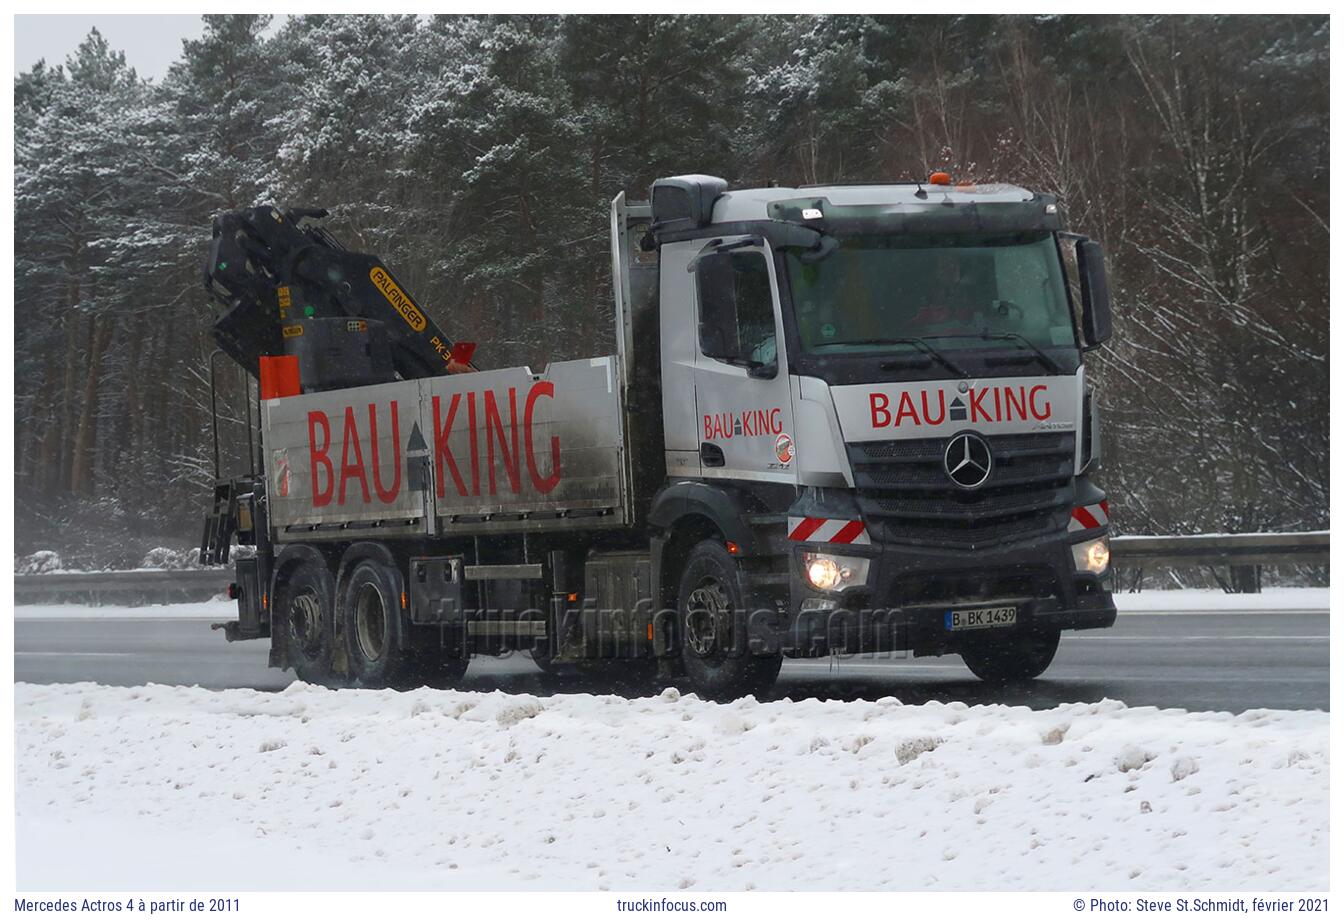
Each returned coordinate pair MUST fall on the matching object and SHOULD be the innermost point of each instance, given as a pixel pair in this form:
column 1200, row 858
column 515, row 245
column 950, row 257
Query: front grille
column 906, row 496
column 951, row 588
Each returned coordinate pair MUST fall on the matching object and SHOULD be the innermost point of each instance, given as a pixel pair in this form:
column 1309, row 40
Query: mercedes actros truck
column 841, row 419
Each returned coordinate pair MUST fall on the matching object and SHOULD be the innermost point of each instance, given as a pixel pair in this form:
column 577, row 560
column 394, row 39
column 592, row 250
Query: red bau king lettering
column 508, row 447
column 879, row 405
column 750, row 423
column 325, row 481
column 986, row 404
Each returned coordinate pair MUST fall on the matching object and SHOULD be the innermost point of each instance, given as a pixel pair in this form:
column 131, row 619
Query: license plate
column 981, row 618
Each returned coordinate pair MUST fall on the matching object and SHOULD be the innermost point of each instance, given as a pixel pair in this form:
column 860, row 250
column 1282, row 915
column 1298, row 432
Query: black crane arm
column 275, row 273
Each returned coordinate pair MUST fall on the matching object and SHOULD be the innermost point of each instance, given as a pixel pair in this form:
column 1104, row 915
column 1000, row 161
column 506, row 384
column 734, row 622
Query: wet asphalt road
column 1203, row 661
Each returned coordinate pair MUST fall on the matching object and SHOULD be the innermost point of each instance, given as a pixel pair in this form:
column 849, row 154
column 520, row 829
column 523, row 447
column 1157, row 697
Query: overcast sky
column 151, row 42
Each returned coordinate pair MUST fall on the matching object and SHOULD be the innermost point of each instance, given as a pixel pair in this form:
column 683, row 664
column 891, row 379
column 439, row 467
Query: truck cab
column 876, row 393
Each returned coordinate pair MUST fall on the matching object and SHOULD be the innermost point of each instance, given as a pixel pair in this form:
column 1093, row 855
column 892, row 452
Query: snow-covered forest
column 477, row 156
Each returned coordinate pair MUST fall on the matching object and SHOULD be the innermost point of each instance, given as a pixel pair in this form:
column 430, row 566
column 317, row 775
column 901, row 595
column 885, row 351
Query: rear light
column 232, row 591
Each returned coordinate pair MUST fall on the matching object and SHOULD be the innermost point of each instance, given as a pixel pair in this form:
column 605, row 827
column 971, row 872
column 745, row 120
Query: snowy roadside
column 217, row 610
column 1272, row 600
column 1198, row 600
column 172, row 788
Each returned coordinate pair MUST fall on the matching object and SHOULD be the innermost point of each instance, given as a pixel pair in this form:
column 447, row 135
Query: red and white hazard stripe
column 828, row 530
column 1090, row 517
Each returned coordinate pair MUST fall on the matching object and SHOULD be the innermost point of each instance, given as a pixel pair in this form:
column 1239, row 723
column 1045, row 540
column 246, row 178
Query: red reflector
column 232, row 592
column 940, row 178
column 279, row 376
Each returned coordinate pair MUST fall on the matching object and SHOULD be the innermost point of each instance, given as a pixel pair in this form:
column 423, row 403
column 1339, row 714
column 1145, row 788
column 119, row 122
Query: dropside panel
column 346, row 463
column 503, row 450
column 514, row 450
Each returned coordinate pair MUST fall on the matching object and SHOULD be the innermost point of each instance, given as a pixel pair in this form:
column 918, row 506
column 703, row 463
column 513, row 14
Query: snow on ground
column 1195, row 600
column 1295, row 600
column 218, row 610
column 173, row 788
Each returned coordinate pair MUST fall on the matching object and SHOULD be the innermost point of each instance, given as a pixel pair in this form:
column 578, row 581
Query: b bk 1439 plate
column 980, row 618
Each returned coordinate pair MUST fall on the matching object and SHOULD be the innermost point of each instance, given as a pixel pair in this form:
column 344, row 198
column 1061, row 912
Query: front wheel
column 1008, row 659
column 716, row 652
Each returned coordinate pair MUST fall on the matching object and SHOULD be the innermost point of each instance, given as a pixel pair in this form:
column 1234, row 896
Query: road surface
column 1208, row 661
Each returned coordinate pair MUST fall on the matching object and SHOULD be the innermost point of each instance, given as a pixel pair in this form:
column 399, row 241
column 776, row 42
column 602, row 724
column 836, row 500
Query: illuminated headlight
column 826, row 572
column 1093, row 556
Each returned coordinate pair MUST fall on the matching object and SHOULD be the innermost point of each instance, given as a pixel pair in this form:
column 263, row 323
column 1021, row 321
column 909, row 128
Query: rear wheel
column 1007, row 659
column 716, row 653
column 373, row 624
column 306, row 595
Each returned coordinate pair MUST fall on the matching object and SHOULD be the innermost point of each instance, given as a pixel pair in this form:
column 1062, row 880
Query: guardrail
column 1130, row 552
column 1309, row 548
column 138, row 582
column 1244, row 554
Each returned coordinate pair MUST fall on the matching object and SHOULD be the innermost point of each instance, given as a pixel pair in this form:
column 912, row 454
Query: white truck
column 839, row 419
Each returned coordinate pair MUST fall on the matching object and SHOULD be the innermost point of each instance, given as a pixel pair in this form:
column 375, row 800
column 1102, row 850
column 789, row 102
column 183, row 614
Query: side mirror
column 1096, row 292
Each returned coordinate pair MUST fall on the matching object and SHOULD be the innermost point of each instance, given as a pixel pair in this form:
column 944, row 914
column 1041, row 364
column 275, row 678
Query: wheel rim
column 370, row 622
column 305, row 615
column 708, row 613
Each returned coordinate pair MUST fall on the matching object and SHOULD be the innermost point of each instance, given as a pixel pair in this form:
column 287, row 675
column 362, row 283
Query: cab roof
column 754, row 203
column 686, row 207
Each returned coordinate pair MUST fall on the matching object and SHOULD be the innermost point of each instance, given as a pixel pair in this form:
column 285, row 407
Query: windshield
column 956, row 292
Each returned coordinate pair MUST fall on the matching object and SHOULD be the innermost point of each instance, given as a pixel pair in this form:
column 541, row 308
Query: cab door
column 745, row 417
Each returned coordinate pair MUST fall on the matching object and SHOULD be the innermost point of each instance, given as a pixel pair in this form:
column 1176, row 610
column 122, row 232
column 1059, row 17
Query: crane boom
column 291, row 288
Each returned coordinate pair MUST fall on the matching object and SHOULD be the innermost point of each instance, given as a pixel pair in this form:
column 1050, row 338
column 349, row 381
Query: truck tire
column 306, row 595
column 373, row 625
column 712, row 628
column 1007, row 659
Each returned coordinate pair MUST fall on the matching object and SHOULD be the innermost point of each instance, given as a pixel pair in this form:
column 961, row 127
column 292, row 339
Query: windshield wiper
column 1021, row 341
column 916, row 342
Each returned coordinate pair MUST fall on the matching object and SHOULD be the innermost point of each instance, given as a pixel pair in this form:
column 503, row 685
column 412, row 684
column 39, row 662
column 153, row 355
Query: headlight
column 826, row 572
column 1093, row 556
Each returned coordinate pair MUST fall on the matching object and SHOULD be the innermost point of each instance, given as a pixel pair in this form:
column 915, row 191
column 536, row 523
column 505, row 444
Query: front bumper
column 910, row 589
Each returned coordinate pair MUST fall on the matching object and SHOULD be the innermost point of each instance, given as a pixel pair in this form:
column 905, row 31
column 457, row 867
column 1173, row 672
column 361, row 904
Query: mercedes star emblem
column 967, row 460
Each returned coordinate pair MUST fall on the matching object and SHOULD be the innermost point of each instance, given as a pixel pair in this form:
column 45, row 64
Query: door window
column 737, row 315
